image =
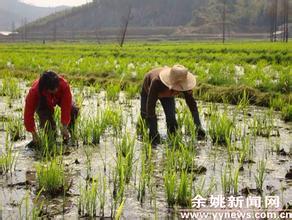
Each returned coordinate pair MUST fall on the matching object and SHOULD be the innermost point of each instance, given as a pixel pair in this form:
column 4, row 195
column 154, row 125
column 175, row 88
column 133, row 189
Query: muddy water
column 18, row 190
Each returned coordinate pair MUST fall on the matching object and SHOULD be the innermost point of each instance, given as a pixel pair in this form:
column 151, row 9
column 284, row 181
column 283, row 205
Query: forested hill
column 14, row 13
column 206, row 14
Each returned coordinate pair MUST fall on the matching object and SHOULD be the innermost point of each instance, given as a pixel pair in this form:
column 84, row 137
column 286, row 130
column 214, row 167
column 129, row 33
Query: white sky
column 52, row 3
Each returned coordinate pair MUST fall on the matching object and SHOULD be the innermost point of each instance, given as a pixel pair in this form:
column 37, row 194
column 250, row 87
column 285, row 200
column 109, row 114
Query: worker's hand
column 35, row 137
column 65, row 133
column 201, row 133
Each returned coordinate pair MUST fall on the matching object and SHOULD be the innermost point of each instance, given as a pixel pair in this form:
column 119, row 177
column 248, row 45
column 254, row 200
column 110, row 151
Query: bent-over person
column 47, row 92
column 163, row 84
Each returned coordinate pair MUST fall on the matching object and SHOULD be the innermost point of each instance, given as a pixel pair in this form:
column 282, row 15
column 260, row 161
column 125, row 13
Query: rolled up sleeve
column 66, row 106
column 31, row 102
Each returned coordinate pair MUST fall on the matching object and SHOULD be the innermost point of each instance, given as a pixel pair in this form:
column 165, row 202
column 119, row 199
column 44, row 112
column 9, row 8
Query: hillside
column 109, row 13
column 13, row 11
column 191, row 16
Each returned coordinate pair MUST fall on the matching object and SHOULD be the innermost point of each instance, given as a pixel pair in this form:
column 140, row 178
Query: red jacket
column 62, row 97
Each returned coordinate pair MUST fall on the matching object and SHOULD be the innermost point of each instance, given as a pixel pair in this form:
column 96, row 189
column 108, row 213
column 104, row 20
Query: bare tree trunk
column 125, row 26
column 223, row 21
column 283, row 20
column 97, row 23
column 275, row 20
column 271, row 13
column 286, row 20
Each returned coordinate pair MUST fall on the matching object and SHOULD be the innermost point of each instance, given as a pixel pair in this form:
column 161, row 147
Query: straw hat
column 177, row 78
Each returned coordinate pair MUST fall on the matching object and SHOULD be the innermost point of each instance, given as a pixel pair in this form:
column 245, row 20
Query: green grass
column 266, row 67
column 10, row 87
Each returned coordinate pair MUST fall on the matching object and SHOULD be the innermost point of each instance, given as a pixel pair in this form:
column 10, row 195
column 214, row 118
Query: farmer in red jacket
column 47, row 92
column 163, row 84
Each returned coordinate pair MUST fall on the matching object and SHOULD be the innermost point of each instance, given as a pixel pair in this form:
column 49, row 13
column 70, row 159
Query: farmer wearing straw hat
column 47, row 92
column 163, row 84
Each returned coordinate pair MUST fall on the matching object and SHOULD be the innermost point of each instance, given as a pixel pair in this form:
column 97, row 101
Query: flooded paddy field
column 109, row 170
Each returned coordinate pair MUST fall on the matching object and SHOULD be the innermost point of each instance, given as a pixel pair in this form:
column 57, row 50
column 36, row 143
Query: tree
column 223, row 20
column 125, row 22
column 273, row 20
column 286, row 20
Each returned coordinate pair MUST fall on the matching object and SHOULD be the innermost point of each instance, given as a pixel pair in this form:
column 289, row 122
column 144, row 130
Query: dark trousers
column 168, row 105
column 46, row 117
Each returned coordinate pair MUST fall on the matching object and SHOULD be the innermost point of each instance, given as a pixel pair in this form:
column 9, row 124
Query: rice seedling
column 10, row 88
column 286, row 113
column 141, row 128
column 8, row 158
column 200, row 188
column 92, row 129
column 84, row 131
column 36, row 211
column 244, row 101
column 57, row 117
column 230, row 150
column 102, row 196
column 245, row 152
column 175, row 140
column 125, row 148
column 142, row 185
column 79, row 98
column 226, row 179
column 113, row 118
column 260, row 175
column 276, row 147
column 118, row 184
column 220, row 128
column 15, row 129
column 46, row 144
column 263, row 126
column 51, row 177
column 132, row 91
column 119, row 211
column 186, row 123
column 142, row 178
column 97, row 129
column 184, row 190
column 170, row 187
column 88, row 155
column 235, row 178
column 185, row 158
column 113, row 91
column 87, row 201
column 74, row 133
